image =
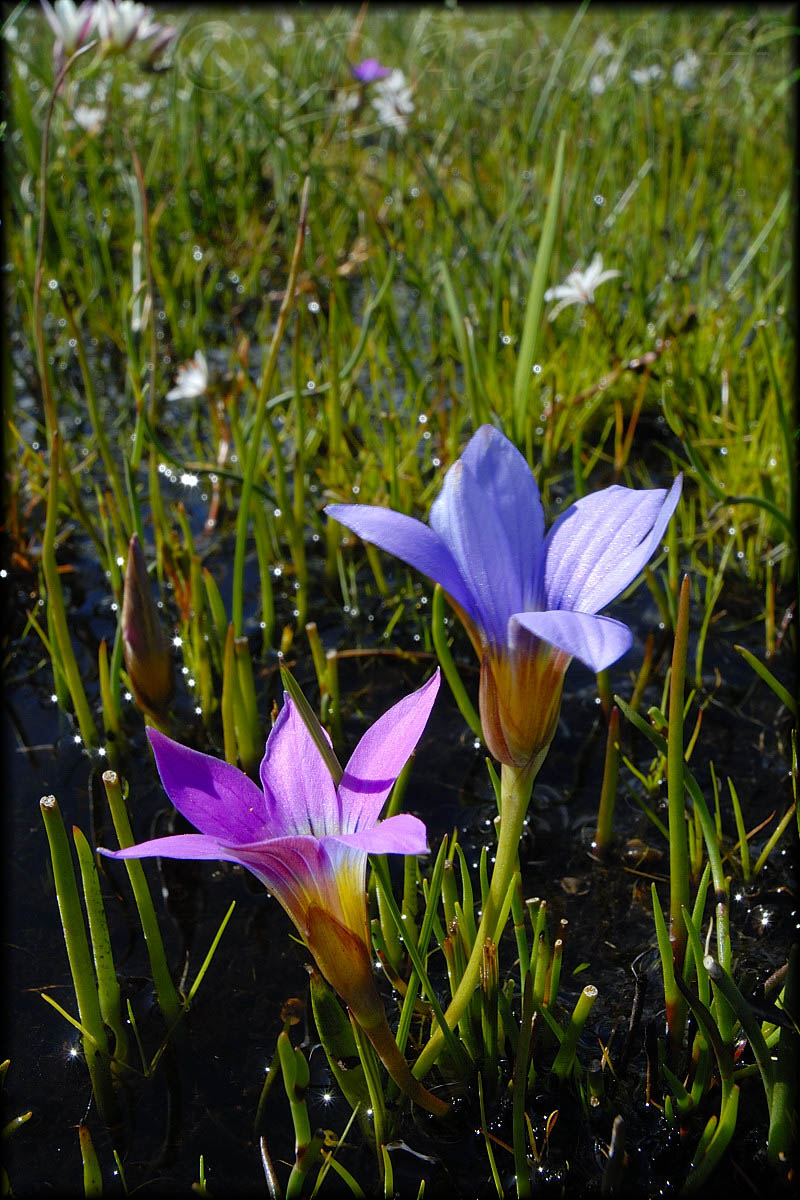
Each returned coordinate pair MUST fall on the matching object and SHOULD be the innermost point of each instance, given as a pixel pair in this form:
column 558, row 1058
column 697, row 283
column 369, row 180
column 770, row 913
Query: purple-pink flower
column 368, row 70
column 528, row 602
column 306, row 839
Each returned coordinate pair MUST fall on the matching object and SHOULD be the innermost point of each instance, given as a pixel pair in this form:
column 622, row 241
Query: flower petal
column 595, row 641
column 300, row 793
column 380, row 756
column 179, row 845
column 402, row 834
column 507, row 483
column 218, row 799
column 478, row 518
column 602, row 542
column 407, row 538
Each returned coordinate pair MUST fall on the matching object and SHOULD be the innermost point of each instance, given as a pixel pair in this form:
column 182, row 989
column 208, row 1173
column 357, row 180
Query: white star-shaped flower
column 579, row 286
column 191, row 379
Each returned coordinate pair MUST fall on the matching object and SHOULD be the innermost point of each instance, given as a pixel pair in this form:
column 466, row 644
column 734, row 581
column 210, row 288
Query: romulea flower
column 72, row 24
column 684, row 70
column 191, row 378
column 307, row 839
column 368, row 70
column 579, row 286
column 122, row 24
column 391, row 99
column 645, row 76
column 528, row 602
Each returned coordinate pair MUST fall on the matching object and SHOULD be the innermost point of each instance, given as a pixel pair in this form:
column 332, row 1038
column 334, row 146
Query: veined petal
column 402, row 834
column 300, row 793
column 595, row 641
column 179, row 845
column 473, row 530
column 507, row 483
column 218, row 799
column 380, row 756
column 601, row 543
column 296, row 870
column 408, row 539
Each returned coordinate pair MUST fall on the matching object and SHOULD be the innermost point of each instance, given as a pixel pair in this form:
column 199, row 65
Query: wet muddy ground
column 203, row 1099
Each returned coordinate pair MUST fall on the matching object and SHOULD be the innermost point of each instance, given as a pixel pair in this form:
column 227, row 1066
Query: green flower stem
column 608, row 791
column 387, row 1050
column 516, row 786
column 95, row 1045
column 678, row 849
column 168, row 1000
column 254, row 451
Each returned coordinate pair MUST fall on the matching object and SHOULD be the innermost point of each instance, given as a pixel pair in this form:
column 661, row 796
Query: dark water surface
column 203, row 1097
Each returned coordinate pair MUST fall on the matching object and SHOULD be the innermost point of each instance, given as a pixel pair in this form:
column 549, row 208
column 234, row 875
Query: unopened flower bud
column 144, row 643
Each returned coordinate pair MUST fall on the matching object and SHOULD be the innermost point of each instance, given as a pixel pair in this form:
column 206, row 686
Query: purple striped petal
column 602, row 542
column 408, row 539
column 595, row 641
column 506, row 482
column 473, row 531
column 402, row 834
column 180, row 845
column 380, row 756
column 215, row 797
column 300, row 793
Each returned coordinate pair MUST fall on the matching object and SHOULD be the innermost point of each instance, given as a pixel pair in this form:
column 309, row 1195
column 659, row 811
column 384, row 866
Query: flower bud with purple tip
column 145, row 646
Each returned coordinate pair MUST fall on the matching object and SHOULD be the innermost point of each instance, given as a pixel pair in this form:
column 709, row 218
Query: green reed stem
column 678, row 849
column 723, row 982
column 92, row 1175
column 516, row 783
column 782, row 1116
column 55, row 599
column 535, row 303
column 168, row 999
column 95, row 1043
column 108, row 990
column 565, row 1058
column 447, row 663
column 519, row 1089
column 254, row 450
column 103, row 445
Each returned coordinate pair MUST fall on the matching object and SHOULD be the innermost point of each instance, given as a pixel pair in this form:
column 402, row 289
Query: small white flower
column 71, row 23
column 191, row 379
column 603, row 48
column 391, row 99
column 89, row 117
column 579, row 286
column 118, row 22
column 121, row 23
column 684, row 71
column 597, row 84
column 644, row 76
column 346, row 100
